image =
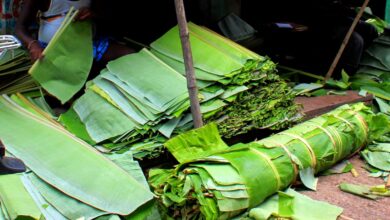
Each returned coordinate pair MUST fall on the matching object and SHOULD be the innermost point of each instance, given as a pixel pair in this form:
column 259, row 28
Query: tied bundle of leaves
column 141, row 99
column 13, row 72
column 210, row 185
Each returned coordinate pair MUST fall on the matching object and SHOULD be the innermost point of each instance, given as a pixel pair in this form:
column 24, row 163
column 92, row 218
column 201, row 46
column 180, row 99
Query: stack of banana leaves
column 13, row 72
column 214, row 181
column 66, row 178
column 140, row 100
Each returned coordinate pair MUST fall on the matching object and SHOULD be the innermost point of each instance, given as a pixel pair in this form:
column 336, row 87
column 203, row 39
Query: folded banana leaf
column 67, row 206
column 48, row 211
column 293, row 205
column 369, row 192
column 161, row 92
column 115, row 123
column 380, row 53
column 67, row 163
column 67, row 59
column 241, row 177
column 15, row 201
column 378, row 155
column 74, row 209
column 167, row 45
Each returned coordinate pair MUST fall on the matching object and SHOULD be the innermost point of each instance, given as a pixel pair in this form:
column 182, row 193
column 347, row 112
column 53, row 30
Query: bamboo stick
column 188, row 62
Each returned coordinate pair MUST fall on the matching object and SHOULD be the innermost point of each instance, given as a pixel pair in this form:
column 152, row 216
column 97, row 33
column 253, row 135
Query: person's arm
column 84, row 14
column 28, row 14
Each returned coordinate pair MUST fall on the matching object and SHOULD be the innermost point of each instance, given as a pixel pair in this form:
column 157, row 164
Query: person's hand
column 35, row 51
column 83, row 14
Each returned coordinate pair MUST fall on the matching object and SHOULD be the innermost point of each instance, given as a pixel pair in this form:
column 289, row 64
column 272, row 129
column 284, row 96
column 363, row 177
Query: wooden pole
column 345, row 41
column 187, row 55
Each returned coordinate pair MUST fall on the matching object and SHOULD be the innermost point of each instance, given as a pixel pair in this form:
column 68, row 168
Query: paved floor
column 355, row 207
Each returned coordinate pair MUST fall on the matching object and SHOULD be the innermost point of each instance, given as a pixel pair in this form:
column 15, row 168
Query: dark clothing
column 328, row 22
column 360, row 39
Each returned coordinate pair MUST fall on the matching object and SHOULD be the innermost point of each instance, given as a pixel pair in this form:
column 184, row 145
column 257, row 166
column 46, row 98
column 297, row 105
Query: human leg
column 367, row 31
column 116, row 50
column 106, row 50
column 352, row 54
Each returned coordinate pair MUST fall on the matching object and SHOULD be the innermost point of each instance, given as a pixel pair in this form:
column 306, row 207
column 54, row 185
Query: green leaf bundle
column 241, row 177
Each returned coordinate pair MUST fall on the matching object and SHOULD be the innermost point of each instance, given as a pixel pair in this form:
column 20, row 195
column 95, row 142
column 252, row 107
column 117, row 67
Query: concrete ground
column 355, row 207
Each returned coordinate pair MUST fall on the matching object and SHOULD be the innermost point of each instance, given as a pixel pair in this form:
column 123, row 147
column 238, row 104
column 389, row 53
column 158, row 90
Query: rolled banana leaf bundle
column 214, row 181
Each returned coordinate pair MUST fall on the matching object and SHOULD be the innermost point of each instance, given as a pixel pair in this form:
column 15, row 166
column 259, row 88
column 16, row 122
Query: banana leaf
column 13, row 59
column 21, row 84
column 167, row 128
column 179, row 67
column 67, row 206
column 74, row 209
column 13, row 72
column 199, row 143
column 378, row 155
column 343, row 167
column 372, row 62
column 303, row 88
column 211, row 92
column 57, row 157
column 161, row 91
column 106, row 123
column 73, row 124
column 67, row 59
column 383, row 106
column 167, row 45
column 241, row 177
column 380, row 53
column 369, row 192
column 232, row 91
column 293, row 205
column 48, row 211
column 226, row 45
column 120, row 100
column 15, row 200
column 377, row 91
